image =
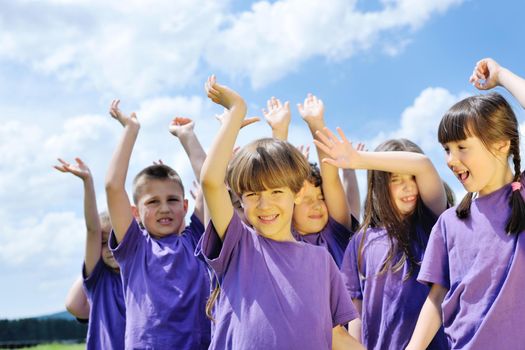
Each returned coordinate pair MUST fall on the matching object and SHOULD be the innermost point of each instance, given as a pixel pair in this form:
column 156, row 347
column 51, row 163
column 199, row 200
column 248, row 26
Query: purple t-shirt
column 274, row 295
column 484, row 270
column 390, row 305
column 107, row 314
column 165, row 289
column 334, row 237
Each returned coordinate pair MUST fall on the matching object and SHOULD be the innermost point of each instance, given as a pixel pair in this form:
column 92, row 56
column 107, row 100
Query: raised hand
column 181, row 125
column 125, row 120
column 312, row 111
column 340, row 152
column 245, row 122
column 222, row 95
column 305, row 150
column 277, row 115
column 80, row 170
column 486, row 74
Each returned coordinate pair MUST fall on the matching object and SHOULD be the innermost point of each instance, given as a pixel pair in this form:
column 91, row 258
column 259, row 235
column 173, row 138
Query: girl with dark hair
column 404, row 198
column 475, row 258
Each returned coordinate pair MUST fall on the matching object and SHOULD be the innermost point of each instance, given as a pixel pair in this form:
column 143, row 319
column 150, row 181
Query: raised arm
column 278, row 116
column 429, row 319
column 119, row 206
column 76, row 300
column 91, row 218
column 214, row 168
column 488, row 74
column 183, row 129
column 351, row 187
column 342, row 154
column 312, row 112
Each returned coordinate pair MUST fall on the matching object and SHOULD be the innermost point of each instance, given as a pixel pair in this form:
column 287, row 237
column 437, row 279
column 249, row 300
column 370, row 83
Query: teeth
column 165, row 221
column 268, row 217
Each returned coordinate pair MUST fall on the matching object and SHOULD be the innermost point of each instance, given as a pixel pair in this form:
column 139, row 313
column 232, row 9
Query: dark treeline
column 41, row 330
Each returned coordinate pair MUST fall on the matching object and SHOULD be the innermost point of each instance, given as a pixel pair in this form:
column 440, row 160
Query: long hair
column 260, row 165
column 381, row 211
column 490, row 118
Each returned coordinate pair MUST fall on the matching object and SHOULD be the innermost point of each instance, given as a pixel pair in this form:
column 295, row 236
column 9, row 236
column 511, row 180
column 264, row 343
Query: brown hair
column 262, row 164
column 381, row 211
column 154, row 172
column 267, row 163
column 490, row 118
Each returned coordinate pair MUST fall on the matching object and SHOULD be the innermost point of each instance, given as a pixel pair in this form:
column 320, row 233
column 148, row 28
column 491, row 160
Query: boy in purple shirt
column 165, row 285
column 276, row 293
column 475, row 259
column 102, row 283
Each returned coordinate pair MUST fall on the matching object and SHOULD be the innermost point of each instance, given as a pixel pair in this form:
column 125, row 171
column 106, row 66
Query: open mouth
column 268, row 219
column 165, row 221
column 409, row 199
column 463, row 175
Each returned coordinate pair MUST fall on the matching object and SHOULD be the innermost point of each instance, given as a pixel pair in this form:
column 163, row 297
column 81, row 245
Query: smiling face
column 311, row 215
column 270, row 212
column 161, row 207
column 404, row 193
column 477, row 168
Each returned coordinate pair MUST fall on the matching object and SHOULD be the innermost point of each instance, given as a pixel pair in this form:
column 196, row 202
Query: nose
column 164, row 207
column 263, row 202
column 451, row 159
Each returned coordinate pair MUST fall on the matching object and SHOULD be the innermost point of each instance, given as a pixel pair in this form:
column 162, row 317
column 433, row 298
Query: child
column 165, row 286
column 276, row 293
column 405, row 195
column 102, row 282
column 476, row 252
column 323, row 217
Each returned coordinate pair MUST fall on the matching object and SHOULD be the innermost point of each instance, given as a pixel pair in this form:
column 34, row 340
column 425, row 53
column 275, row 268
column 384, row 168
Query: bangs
column 456, row 124
column 265, row 164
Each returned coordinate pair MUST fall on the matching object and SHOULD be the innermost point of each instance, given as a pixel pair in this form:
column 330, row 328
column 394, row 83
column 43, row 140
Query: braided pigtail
column 463, row 209
column 516, row 223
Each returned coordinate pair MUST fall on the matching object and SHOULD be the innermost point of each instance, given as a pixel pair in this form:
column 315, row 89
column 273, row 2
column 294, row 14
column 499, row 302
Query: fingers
column 211, row 89
column 248, row 121
column 113, row 109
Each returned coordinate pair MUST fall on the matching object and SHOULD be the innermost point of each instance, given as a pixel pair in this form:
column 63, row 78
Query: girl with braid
column 475, row 258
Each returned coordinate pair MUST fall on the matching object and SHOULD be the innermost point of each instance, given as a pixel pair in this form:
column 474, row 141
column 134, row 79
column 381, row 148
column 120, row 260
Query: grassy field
column 57, row 346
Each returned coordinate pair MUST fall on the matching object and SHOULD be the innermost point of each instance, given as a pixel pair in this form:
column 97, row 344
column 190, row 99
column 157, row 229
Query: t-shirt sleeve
column 434, row 268
column 339, row 232
column 195, row 229
column 126, row 249
column 91, row 281
column 218, row 253
column 349, row 269
column 343, row 310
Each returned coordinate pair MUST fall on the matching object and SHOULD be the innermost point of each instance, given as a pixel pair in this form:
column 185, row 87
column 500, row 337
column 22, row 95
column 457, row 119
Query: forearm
column 280, row 133
column 195, row 152
column 514, row 84
column 342, row 340
column 93, row 236
column 351, row 189
column 76, row 300
column 334, row 194
column 429, row 320
column 119, row 164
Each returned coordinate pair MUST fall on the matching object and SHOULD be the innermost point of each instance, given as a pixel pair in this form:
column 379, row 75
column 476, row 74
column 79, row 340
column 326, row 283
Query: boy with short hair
column 165, row 285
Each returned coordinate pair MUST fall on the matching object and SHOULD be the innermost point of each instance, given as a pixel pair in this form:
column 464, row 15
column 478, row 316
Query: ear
column 299, row 195
column 502, row 147
column 135, row 213
column 185, row 206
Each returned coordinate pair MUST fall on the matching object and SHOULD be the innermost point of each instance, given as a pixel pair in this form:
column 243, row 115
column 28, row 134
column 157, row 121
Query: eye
column 446, row 149
column 152, row 201
column 173, row 200
column 277, row 191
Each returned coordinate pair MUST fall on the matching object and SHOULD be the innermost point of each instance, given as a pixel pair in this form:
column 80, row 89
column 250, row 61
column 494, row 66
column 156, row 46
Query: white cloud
column 273, row 39
column 142, row 48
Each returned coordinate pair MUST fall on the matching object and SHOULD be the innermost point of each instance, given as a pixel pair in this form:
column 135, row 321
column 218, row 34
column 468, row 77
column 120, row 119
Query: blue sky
column 383, row 69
